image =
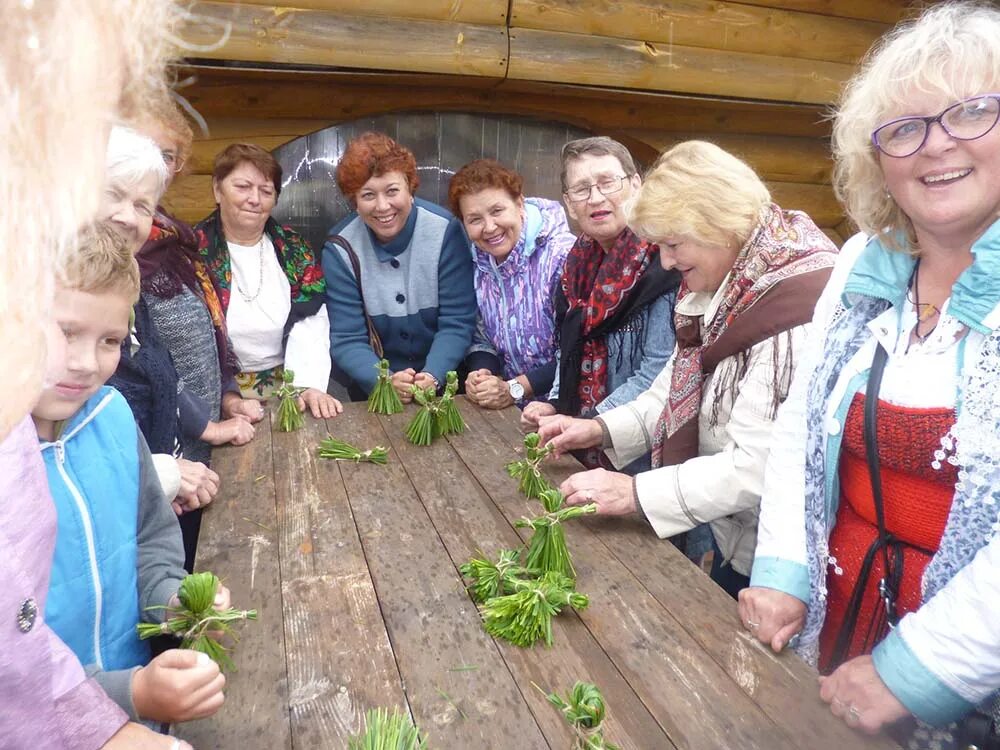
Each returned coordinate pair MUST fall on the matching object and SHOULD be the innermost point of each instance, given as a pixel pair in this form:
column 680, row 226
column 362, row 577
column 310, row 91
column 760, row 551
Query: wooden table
column 354, row 571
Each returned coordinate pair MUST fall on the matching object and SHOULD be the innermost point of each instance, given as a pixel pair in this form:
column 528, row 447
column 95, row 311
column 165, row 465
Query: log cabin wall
column 755, row 76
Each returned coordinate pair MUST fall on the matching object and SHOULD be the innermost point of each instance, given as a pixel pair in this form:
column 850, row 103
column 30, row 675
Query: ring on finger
column 751, row 625
column 853, row 713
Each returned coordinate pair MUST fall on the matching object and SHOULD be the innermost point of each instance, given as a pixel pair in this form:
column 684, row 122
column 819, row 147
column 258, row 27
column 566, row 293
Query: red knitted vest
column 917, row 500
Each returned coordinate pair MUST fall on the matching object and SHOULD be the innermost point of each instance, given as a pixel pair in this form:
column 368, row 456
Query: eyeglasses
column 966, row 120
column 173, row 161
column 605, row 186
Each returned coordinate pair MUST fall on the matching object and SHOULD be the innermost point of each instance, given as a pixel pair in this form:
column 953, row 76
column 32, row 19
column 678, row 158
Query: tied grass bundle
column 490, row 579
column 383, row 398
column 338, row 450
column 527, row 471
column 450, row 421
column 547, row 550
column 388, row 731
column 584, row 710
column 289, row 416
column 425, row 426
column 196, row 617
column 525, row 616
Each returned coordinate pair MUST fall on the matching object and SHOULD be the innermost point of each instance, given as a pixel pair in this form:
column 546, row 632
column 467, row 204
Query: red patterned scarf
column 773, row 287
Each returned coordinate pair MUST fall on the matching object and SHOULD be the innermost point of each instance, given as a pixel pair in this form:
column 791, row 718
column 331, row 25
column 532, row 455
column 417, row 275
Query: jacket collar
column 386, row 251
column 86, row 414
column 885, row 274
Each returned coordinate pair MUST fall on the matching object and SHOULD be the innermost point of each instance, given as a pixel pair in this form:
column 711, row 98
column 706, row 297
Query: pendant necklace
column 249, row 298
column 925, row 310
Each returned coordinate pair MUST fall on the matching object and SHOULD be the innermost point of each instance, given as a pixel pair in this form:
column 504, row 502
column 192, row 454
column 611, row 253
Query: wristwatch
column 516, row 389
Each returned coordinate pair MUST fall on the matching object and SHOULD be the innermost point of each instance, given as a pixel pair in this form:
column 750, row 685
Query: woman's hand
column 236, row 430
column 321, row 405
column 199, row 486
column 494, row 393
column 857, row 695
column 134, row 736
column 425, row 380
column 178, row 685
column 234, row 405
column 401, row 382
column 771, row 616
column 473, row 381
column 569, row 433
column 613, row 492
column 533, row 412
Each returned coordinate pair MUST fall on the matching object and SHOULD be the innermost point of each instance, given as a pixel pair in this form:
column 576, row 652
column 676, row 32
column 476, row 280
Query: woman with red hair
column 398, row 273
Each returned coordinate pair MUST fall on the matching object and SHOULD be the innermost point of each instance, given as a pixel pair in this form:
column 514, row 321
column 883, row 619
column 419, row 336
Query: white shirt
column 259, row 304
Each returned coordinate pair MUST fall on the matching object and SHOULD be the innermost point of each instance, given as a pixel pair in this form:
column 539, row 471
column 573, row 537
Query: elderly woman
column 269, row 282
column 519, row 246
column 751, row 276
column 889, row 571
column 615, row 301
column 115, row 51
column 399, row 276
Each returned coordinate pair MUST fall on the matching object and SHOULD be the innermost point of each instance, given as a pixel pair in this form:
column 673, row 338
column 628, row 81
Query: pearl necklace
column 249, row 298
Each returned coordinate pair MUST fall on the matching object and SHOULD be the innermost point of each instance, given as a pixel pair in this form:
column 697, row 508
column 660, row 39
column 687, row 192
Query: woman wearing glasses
column 889, row 571
column 614, row 303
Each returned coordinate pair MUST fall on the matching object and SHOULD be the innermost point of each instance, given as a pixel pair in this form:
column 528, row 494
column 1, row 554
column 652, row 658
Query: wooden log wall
column 754, row 76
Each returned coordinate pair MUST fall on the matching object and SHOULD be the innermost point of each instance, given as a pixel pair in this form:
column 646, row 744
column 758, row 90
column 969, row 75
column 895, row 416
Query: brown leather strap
column 374, row 339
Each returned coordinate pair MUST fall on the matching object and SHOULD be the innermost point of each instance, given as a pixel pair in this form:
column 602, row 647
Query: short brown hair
column 598, row 145
column 101, row 262
column 482, row 174
column 163, row 110
column 237, row 153
column 373, row 155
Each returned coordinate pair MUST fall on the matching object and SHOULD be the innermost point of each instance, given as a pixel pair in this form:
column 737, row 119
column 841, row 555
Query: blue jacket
column 118, row 548
column 417, row 289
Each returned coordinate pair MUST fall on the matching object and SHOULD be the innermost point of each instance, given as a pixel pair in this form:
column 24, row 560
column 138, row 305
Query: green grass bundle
column 450, row 420
column 547, row 550
column 525, row 617
column 423, row 428
column 388, row 731
column 289, row 416
column 383, row 398
column 491, row 579
column 584, row 710
column 527, row 470
column 196, row 617
column 338, row 450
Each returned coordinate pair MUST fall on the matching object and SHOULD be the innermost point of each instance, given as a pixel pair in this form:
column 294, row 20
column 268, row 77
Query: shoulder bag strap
column 374, row 339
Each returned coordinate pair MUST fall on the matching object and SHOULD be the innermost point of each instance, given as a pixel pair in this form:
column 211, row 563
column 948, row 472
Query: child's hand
column 134, row 736
column 236, row 430
column 222, row 599
column 178, row 686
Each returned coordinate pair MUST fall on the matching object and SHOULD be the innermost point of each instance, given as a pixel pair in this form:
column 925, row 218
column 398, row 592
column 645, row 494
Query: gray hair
column 132, row 157
column 599, row 145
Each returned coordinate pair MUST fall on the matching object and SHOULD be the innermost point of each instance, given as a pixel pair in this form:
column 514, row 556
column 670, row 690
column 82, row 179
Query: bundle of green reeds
column 424, row 427
column 547, row 550
column 491, row 579
column 383, row 398
column 525, row 616
column 388, row 731
column 289, row 416
column 196, row 617
column 450, row 421
column 527, row 470
column 337, row 450
column 584, row 709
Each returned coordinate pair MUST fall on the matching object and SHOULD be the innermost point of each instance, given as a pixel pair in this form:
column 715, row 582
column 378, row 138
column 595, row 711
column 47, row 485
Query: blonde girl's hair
column 699, row 191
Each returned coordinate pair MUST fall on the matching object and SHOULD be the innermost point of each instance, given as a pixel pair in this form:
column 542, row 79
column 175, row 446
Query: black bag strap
column 374, row 340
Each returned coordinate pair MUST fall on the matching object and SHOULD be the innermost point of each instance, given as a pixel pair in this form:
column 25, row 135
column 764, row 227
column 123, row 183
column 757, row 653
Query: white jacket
column 723, row 484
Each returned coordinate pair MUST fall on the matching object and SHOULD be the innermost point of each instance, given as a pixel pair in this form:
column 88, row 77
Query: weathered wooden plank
column 783, row 686
column 882, row 11
column 340, row 661
column 780, row 158
column 312, row 37
column 691, row 697
column 239, row 542
column 469, row 524
column 710, row 24
column 335, row 97
column 434, row 628
column 462, row 11
column 604, row 61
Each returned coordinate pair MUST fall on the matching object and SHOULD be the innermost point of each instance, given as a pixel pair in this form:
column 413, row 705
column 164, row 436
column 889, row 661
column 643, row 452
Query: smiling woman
column 276, row 316
column 399, row 276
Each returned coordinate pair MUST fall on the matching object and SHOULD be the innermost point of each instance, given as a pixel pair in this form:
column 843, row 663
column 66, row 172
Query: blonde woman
column 889, row 570
column 66, row 70
column 751, row 275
